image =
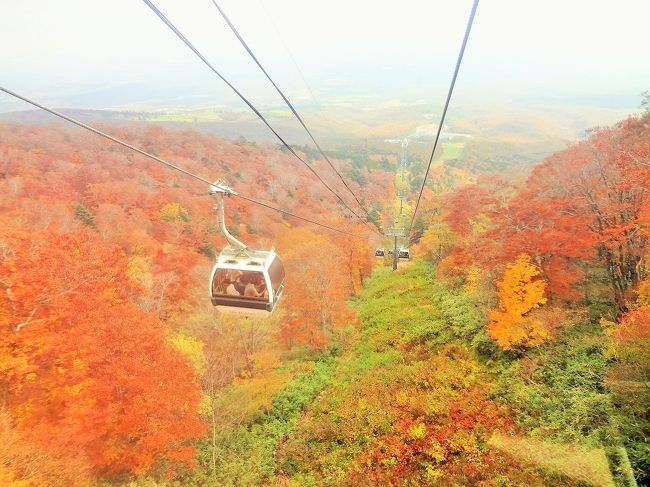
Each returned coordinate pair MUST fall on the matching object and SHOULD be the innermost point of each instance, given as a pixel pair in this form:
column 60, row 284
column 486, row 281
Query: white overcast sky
column 517, row 48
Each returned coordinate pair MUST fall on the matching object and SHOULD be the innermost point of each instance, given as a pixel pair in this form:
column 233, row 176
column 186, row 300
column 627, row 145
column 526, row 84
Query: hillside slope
column 411, row 397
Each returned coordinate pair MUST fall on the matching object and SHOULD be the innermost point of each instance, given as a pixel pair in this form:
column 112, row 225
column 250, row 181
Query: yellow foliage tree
column 472, row 280
column 520, row 292
column 437, row 241
column 191, row 348
column 172, row 212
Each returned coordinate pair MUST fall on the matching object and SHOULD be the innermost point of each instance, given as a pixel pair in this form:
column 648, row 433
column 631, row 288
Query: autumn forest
column 512, row 349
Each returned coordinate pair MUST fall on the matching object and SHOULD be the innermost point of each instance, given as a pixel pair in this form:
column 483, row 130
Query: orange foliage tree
column 85, row 372
column 519, row 292
column 316, row 289
column 357, row 259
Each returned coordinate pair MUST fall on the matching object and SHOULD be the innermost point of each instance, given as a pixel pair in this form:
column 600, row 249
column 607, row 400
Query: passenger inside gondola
column 260, row 286
column 234, row 283
column 254, row 287
column 231, row 289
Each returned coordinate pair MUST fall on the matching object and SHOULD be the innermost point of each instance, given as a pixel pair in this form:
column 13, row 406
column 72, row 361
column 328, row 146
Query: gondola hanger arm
column 220, row 189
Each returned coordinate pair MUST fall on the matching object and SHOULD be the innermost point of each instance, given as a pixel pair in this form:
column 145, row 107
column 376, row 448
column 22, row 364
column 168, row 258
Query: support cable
column 288, row 103
column 444, row 112
column 175, row 30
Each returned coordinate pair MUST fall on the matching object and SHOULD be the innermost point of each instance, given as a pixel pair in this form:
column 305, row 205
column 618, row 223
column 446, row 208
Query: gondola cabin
column 404, row 254
column 247, row 282
column 379, row 252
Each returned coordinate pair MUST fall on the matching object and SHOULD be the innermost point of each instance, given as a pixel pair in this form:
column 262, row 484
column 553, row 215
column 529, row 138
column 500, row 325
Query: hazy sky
column 60, row 50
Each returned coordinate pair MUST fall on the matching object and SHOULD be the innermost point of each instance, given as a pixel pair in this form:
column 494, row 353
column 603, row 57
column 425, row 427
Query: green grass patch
column 588, row 465
column 450, row 150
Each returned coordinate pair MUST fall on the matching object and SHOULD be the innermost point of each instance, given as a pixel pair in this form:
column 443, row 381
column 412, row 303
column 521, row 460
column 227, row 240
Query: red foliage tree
column 583, row 205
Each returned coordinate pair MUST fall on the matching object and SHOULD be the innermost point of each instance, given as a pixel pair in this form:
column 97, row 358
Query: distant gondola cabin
column 404, row 254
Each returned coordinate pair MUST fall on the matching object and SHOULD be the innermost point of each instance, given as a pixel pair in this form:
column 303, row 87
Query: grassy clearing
column 451, row 150
column 588, row 465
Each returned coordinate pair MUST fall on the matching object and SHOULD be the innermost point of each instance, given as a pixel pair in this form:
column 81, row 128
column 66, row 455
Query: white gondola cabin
column 404, row 254
column 247, row 282
column 243, row 281
column 379, row 252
